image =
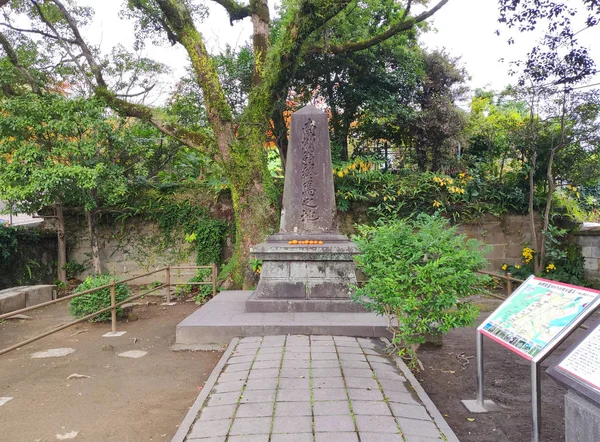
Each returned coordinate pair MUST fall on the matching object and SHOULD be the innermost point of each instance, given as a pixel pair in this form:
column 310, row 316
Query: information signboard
column 579, row 367
column 537, row 313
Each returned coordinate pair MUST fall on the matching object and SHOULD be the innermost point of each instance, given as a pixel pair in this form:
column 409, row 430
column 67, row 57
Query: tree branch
column 14, row 59
column 401, row 26
column 195, row 140
column 37, row 31
column 260, row 37
column 234, row 9
column 79, row 41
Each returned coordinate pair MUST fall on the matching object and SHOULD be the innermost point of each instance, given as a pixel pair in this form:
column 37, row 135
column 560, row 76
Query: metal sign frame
column 536, row 361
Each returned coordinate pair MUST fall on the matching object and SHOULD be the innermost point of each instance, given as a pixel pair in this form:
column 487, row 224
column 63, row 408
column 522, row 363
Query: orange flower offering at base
column 305, row 241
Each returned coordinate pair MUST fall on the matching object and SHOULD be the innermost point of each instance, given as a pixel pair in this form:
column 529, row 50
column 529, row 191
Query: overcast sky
column 465, row 28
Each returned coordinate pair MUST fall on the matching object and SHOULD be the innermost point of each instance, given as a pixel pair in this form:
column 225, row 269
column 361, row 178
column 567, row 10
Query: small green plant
column 73, row 269
column 151, row 286
column 419, row 273
column 256, row 265
column 92, row 302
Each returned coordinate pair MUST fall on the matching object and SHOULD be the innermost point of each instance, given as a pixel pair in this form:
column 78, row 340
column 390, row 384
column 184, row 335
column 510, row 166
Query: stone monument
column 308, row 266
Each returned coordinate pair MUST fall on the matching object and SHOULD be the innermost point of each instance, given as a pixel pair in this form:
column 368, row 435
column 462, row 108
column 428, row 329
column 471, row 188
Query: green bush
column 92, row 302
column 419, row 270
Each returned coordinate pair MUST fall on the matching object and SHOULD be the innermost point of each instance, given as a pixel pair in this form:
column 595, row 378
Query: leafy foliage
column 92, row 302
column 419, row 273
column 17, row 266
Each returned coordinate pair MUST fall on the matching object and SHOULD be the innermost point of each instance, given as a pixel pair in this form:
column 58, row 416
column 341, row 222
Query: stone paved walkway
column 313, row 389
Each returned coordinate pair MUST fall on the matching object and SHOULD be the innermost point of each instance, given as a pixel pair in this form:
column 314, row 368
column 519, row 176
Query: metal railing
column 113, row 304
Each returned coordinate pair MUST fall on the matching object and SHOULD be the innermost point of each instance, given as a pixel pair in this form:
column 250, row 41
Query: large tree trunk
column 62, row 242
column 89, row 217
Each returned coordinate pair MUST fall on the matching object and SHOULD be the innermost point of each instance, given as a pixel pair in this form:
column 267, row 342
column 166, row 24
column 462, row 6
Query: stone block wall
column 505, row 235
column 588, row 237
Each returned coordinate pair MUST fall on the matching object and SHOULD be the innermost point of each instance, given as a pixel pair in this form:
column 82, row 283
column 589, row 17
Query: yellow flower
column 340, row 174
column 504, row 267
column 436, row 203
column 517, row 267
column 550, row 267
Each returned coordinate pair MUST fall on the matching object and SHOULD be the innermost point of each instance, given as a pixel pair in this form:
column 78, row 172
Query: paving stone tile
column 268, row 357
column 286, row 383
column 376, row 424
column 271, row 349
column 233, row 377
column 391, row 375
column 236, row 368
column 294, row 424
column 249, row 438
column 210, row 429
column 378, row 359
column 240, row 359
column 398, row 384
column 258, row 396
column 411, row 438
column 296, row 363
column 271, row 340
column 355, row 364
column 301, row 437
column 325, row 363
column 324, row 356
column 337, row 437
column 371, row 408
column 250, row 425
column 262, row 384
column 332, row 372
column 322, row 344
column 328, row 383
column 361, row 383
column 295, row 372
column 371, row 351
column 315, row 338
column 255, row 409
column 331, row 408
column 352, row 357
column 217, row 399
column 350, row 350
column 293, row 409
column 229, row 387
column 380, row 437
column 362, row 394
column 344, row 339
column 418, row 427
column 350, row 373
column 333, row 423
column 410, row 411
column 330, row 394
column 291, row 348
column 263, row 373
column 402, row 398
column 207, row 439
column 369, row 343
column 322, row 349
column 259, row 365
column 295, row 356
column 217, row 413
column 293, row 395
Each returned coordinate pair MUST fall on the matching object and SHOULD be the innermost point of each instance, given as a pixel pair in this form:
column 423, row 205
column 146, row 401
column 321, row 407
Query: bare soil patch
column 450, row 375
column 124, row 399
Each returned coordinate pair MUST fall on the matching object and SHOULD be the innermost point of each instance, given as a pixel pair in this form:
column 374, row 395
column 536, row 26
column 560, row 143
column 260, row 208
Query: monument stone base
column 582, row 419
column 305, row 277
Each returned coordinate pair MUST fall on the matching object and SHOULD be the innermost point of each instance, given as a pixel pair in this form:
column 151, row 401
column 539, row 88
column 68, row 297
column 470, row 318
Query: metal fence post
column 169, row 283
column 214, row 279
column 113, row 311
column 508, row 284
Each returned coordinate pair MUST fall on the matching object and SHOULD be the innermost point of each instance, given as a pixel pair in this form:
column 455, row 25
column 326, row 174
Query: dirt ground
column 450, row 376
column 123, row 400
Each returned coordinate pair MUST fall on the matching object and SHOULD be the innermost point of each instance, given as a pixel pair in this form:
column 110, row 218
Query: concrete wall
column 588, row 237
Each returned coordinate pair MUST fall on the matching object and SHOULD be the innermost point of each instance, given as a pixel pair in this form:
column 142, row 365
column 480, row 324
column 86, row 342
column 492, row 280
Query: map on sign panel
column 537, row 312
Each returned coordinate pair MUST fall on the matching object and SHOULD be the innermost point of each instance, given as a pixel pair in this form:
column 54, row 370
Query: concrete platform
column 16, row 298
column 224, row 317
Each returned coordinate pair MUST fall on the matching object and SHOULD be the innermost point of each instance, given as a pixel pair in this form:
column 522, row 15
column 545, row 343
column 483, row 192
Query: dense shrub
column 92, row 302
column 419, row 272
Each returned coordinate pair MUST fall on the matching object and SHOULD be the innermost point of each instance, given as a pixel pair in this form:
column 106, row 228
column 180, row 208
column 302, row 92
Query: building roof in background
column 20, row 219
